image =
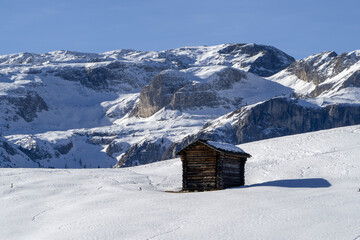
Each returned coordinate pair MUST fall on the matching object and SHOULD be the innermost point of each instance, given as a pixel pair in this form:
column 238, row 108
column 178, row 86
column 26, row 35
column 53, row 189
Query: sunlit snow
column 297, row 187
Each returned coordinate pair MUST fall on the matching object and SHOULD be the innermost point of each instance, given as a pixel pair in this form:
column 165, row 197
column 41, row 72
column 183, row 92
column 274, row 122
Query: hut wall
column 219, row 172
column 233, row 171
column 199, row 168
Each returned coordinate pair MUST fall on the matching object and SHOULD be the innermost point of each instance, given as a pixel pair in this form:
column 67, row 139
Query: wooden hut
column 209, row 165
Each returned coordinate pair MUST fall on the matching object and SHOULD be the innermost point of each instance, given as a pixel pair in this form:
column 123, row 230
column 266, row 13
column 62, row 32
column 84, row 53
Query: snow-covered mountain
column 70, row 109
column 73, row 110
column 325, row 94
column 326, row 78
column 59, row 84
column 303, row 186
column 269, row 119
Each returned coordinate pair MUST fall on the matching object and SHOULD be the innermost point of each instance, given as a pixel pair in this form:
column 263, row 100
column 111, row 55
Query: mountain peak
column 68, row 108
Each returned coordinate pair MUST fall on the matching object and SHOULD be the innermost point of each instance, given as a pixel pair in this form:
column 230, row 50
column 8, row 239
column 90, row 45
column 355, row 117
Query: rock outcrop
column 268, row 60
column 325, row 71
column 143, row 153
column 21, row 104
column 273, row 118
column 8, row 153
column 159, row 92
column 189, row 89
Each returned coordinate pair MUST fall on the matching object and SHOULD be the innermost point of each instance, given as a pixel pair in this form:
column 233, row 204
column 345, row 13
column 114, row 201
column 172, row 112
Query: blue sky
column 300, row 28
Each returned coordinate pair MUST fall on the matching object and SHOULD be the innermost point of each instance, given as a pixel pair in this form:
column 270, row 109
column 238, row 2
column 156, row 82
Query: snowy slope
column 127, row 107
column 249, row 57
column 80, row 104
column 324, row 78
column 297, row 187
column 73, row 90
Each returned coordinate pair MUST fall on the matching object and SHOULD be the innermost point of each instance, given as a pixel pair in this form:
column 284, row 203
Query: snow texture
column 85, row 100
column 297, row 187
column 337, row 78
column 85, row 103
column 225, row 146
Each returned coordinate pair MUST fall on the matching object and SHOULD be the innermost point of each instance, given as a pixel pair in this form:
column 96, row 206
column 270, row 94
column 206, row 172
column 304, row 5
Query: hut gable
column 209, row 165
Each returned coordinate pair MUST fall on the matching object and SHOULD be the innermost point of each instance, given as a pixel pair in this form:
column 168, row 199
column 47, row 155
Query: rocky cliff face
column 20, row 106
column 111, row 76
column 159, row 92
column 143, row 153
column 75, row 150
column 273, row 118
column 319, row 67
column 10, row 156
column 326, row 71
column 316, row 68
column 269, row 60
column 281, row 116
column 185, row 89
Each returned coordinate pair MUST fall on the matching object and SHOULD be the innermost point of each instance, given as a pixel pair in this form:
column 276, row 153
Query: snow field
column 297, row 187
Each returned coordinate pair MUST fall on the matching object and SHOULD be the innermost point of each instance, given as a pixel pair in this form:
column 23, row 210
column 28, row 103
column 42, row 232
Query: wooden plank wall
column 199, row 168
column 219, row 170
column 233, row 171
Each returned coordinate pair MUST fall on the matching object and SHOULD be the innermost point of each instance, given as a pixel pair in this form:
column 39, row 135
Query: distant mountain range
column 122, row 108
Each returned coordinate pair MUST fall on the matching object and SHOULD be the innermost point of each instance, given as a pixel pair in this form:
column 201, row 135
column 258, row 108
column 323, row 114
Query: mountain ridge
column 71, row 109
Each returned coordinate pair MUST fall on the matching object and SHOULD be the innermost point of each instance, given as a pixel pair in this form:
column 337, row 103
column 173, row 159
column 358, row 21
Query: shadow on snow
column 294, row 183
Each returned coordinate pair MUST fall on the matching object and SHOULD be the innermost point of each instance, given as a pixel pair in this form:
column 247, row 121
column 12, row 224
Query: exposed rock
column 159, row 93
column 69, row 151
column 7, row 147
column 319, row 89
column 75, row 74
column 121, row 108
column 20, row 58
column 117, row 147
column 33, row 71
column 352, row 81
column 110, row 76
column 9, row 152
column 29, row 105
column 274, row 118
column 227, row 77
column 282, row 116
column 326, row 71
column 269, row 60
column 97, row 77
column 192, row 96
column 143, row 153
column 101, row 140
column 181, row 90
column 309, row 69
column 33, row 150
column 26, row 106
column 94, row 78
column 64, row 148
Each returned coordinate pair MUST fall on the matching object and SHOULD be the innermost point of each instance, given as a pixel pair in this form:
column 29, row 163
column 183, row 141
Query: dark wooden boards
column 207, row 169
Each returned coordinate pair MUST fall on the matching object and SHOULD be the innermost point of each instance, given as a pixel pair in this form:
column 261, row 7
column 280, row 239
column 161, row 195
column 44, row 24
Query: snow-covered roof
column 220, row 146
column 225, row 146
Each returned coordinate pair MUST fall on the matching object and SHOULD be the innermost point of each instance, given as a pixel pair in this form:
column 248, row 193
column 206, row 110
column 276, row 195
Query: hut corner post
column 242, row 169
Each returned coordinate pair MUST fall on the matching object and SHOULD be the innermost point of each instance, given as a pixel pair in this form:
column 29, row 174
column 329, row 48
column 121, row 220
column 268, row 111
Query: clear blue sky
column 300, row 28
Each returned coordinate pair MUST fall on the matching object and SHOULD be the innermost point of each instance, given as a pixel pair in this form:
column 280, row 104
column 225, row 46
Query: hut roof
column 220, row 147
